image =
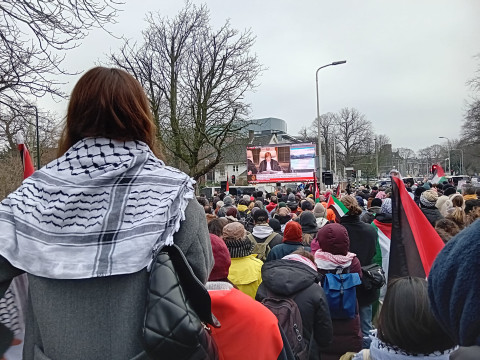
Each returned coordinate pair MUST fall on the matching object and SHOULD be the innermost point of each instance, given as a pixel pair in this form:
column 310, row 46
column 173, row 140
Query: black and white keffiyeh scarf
column 383, row 351
column 98, row 210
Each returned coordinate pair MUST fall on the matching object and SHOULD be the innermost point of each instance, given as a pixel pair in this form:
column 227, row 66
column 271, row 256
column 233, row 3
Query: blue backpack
column 341, row 293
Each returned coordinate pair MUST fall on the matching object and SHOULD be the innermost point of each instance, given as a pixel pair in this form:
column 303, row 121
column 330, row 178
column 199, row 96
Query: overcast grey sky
column 407, row 61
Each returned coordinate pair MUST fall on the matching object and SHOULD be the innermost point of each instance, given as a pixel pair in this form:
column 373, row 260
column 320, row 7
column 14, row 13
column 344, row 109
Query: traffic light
column 233, row 179
column 434, row 168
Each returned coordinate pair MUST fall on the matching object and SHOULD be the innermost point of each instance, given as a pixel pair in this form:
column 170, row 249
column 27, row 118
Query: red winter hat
column 292, row 232
column 221, row 255
column 333, row 238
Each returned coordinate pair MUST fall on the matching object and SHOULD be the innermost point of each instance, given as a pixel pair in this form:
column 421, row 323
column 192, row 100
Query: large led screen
column 280, row 163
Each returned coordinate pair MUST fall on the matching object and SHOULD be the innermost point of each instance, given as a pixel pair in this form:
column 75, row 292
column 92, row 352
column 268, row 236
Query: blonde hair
column 307, row 239
column 351, row 204
column 457, row 215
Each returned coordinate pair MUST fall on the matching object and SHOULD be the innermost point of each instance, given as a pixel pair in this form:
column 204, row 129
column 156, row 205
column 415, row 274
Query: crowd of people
column 274, row 229
column 79, row 234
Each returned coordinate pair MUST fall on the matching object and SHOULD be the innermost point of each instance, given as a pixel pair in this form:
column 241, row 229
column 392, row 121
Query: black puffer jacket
column 362, row 236
column 363, row 241
column 293, row 279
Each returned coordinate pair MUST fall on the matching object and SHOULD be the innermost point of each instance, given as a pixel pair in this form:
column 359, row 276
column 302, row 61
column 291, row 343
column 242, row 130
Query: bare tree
column 328, row 132
column 13, row 122
column 432, row 154
column 405, row 154
column 470, row 136
column 355, row 136
column 34, row 37
column 305, row 134
column 196, row 79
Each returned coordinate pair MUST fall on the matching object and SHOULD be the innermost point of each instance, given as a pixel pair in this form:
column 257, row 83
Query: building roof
column 263, row 140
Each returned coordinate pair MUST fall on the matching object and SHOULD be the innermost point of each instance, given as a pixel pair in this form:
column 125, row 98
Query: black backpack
column 290, row 320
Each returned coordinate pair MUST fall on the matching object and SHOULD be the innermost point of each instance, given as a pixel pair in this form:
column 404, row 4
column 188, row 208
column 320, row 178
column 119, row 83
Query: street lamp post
column 376, row 158
column 461, row 161
column 448, row 146
column 318, row 123
column 335, row 157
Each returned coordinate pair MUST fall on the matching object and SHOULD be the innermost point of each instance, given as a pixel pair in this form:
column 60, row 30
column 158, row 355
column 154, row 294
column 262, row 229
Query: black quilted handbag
column 373, row 276
column 178, row 312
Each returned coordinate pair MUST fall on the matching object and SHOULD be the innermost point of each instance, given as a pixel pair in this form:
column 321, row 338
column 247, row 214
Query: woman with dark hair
column 215, row 226
column 406, row 328
column 84, row 226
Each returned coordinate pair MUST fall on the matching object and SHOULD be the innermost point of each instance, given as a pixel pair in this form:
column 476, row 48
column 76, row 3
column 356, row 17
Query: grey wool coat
column 100, row 318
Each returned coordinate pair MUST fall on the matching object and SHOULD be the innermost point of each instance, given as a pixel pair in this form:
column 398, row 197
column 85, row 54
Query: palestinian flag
column 439, row 176
column 384, row 232
column 415, row 243
column 337, row 205
column 28, row 168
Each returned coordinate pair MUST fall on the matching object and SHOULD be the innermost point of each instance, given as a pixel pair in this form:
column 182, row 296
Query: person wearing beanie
column 454, row 290
column 292, row 204
column 360, row 202
column 442, row 203
column 363, row 242
column 283, row 215
column 244, row 321
column 332, row 252
column 275, row 225
column 449, row 191
column 245, row 269
column 281, row 204
column 221, row 255
column 228, row 203
column 295, row 276
column 416, row 195
column 262, row 232
column 374, row 209
column 292, row 240
column 428, row 199
column 232, row 214
column 309, row 226
column 320, row 214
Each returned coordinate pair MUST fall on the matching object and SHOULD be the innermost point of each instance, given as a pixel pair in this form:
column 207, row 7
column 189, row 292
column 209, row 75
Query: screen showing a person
column 280, row 163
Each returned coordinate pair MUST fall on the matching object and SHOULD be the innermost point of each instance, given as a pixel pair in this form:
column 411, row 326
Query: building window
column 283, row 154
column 235, row 168
column 222, row 172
